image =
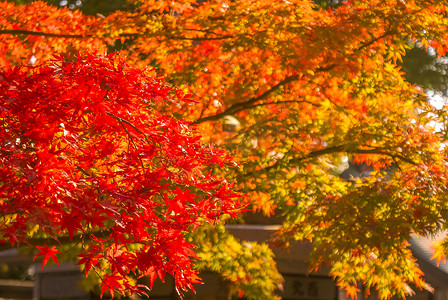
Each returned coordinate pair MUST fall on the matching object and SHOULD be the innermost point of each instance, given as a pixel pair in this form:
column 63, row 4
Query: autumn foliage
column 306, row 87
column 87, row 155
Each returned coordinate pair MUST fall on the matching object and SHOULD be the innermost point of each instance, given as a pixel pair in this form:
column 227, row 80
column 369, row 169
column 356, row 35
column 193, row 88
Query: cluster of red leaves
column 86, row 154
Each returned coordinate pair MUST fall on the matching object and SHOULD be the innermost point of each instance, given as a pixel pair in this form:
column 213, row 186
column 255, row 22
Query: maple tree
column 87, row 157
column 307, row 87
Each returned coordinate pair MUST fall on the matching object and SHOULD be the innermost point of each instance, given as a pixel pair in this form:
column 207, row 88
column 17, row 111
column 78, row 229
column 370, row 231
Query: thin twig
column 283, row 102
column 83, row 171
column 128, row 123
column 122, row 121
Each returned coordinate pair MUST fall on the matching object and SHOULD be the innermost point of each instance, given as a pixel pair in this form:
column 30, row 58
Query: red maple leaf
column 47, row 253
column 110, row 283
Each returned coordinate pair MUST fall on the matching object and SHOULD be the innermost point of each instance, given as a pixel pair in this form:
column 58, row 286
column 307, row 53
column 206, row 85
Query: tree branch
column 244, row 105
column 329, row 150
column 237, row 107
column 16, row 32
column 389, row 32
column 343, row 148
column 49, row 241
